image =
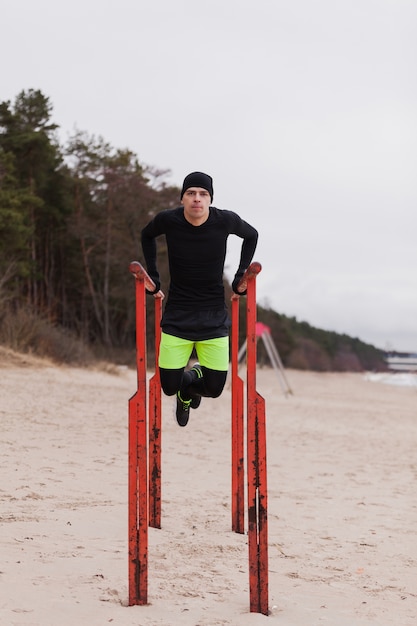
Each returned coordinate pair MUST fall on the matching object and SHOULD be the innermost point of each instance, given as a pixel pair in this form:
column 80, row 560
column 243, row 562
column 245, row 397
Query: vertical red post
column 238, row 473
column 155, row 431
column 138, row 462
column 256, row 468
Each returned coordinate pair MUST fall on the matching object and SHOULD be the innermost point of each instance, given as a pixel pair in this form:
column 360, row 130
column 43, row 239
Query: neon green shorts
column 212, row 353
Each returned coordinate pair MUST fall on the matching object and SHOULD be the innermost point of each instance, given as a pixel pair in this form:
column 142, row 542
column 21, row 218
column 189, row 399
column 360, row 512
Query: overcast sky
column 303, row 111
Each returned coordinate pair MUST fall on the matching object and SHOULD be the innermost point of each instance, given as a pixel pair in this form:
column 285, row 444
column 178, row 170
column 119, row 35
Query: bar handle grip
column 253, row 270
column 139, row 272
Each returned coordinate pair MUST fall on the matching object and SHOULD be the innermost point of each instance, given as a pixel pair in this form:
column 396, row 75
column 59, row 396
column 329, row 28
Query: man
column 195, row 314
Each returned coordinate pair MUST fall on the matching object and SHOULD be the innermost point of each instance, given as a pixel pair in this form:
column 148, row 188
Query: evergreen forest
column 70, row 222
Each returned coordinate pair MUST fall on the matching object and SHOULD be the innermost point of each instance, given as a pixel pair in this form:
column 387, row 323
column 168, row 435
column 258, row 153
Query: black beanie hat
column 198, row 179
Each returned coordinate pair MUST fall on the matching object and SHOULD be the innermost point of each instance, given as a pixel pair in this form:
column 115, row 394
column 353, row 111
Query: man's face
column 196, row 202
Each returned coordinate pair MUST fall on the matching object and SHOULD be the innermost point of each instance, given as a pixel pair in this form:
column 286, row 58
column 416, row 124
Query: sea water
column 402, row 379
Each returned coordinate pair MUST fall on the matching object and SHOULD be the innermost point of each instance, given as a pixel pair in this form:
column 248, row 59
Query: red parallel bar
column 238, row 473
column 256, row 464
column 262, row 508
column 138, row 463
column 144, row 501
column 155, row 431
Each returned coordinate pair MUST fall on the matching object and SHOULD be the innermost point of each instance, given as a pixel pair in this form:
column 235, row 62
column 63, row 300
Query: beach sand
column 342, row 504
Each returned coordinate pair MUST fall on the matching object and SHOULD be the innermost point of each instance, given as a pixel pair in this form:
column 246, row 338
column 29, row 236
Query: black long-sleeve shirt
column 196, row 255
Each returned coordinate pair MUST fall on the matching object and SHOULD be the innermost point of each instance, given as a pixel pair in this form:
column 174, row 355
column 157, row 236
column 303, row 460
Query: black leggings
column 210, row 385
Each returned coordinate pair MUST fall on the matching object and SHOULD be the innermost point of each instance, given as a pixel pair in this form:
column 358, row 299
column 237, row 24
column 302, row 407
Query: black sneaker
column 195, row 402
column 182, row 412
column 198, row 373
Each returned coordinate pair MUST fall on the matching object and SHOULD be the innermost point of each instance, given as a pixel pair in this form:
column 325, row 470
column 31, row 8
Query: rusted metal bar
column 256, row 468
column 141, row 494
column 238, row 455
column 155, row 429
column 138, row 462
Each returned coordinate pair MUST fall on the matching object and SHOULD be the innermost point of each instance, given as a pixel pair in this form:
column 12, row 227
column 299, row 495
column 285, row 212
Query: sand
column 342, row 477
